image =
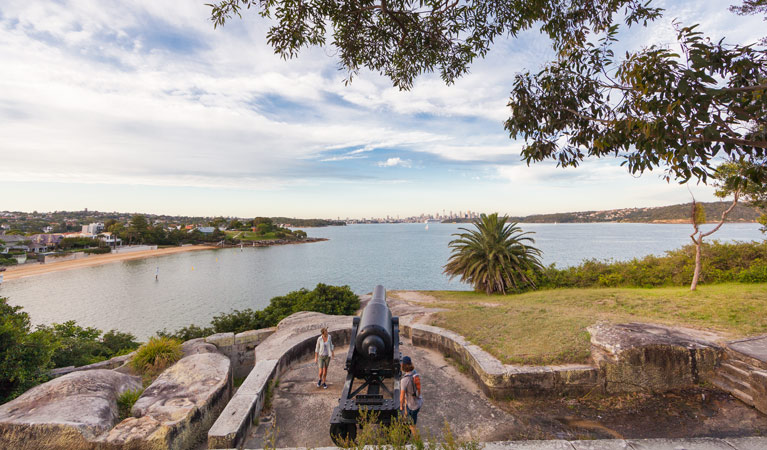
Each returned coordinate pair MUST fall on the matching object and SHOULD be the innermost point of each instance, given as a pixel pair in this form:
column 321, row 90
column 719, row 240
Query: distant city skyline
column 153, row 110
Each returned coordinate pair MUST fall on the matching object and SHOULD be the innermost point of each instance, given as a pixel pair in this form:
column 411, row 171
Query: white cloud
column 394, row 162
column 148, row 93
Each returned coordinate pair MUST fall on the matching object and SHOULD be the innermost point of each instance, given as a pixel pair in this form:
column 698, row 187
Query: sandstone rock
column 68, row 412
column 647, row 357
column 176, row 410
column 195, row 346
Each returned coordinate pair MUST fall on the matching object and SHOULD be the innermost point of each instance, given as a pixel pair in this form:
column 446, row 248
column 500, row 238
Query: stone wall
column 498, row 380
column 743, row 371
column 240, row 348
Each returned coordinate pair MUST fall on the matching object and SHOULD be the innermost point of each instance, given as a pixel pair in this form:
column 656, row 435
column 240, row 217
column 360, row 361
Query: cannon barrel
column 374, row 338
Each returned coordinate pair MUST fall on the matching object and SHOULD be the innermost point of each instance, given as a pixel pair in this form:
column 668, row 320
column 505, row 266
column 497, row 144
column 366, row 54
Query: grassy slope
column 549, row 326
column 251, row 236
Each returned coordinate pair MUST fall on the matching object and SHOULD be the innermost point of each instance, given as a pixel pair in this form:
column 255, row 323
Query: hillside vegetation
column 661, row 214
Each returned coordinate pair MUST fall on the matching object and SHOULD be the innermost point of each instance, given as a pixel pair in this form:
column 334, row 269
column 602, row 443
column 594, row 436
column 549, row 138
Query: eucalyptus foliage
column 679, row 108
column 495, row 257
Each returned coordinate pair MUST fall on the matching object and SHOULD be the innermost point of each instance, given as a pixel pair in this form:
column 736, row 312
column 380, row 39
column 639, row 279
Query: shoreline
column 34, row 269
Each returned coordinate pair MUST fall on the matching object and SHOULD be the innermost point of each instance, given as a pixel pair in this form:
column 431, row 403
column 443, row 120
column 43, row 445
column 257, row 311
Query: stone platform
column 747, row 443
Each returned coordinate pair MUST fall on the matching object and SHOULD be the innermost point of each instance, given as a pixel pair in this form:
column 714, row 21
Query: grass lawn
column 549, row 326
column 251, row 236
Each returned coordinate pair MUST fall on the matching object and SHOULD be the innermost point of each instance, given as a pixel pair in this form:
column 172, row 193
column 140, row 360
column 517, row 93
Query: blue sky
column 143, row 106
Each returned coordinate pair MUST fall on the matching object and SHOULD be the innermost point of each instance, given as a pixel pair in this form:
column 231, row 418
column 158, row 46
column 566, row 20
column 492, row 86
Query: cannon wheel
column 343, row 433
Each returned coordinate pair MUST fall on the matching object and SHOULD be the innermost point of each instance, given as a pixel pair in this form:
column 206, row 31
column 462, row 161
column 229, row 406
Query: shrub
column 97, row 251
column 25, row 357
column 757, row 273
column 119, row 343
column 125, row 402
column 7, row 261
column 336, row 300
column 187, row 333
column 76, row 345
column 722, row 262
column 156, row 355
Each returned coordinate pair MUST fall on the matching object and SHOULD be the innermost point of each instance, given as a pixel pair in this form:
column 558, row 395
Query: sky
column 143, row 106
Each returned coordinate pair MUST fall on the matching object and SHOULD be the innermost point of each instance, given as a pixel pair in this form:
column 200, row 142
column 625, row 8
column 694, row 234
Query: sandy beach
column 30, row 270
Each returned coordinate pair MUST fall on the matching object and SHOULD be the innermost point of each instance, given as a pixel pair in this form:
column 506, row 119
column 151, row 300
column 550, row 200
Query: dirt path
column 30, row 270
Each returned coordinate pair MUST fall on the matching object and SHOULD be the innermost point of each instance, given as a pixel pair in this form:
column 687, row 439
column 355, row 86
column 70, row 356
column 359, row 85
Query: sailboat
column 427, row 227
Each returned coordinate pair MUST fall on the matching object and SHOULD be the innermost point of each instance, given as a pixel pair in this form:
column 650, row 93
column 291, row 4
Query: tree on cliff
column 496, row 257
column 25, row 355
column 654, row 108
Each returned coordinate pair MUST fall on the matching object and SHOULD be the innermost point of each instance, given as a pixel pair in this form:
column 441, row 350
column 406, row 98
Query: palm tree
column 495, row 257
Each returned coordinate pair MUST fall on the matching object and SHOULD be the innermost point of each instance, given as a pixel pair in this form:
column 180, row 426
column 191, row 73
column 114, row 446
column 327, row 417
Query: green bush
column 336, row 300
column 97, row 251
column 757, row 273
column 721, row 263
column 25, row 356
column 7, row 261
column 125, row 402
column 187, row 333
column 119, row 343
column 156, row 355
column 80, row 346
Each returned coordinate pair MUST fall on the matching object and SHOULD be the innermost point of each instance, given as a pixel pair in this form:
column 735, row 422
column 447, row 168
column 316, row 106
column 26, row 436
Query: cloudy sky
column 143, row 106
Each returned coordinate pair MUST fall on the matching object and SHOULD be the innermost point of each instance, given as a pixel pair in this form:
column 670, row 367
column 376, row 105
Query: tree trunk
column 696, row 275
column 698, row 241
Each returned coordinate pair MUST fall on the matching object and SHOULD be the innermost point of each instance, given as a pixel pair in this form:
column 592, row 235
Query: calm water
column 195, row 286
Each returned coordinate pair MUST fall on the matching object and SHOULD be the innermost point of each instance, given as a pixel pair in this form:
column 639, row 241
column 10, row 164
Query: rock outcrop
column 69, row 412
column 653, row 358
column 176, row 410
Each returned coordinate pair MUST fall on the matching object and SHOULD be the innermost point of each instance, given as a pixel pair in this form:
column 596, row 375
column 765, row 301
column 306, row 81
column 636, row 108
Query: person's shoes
column 324, row 386
column 319, row 383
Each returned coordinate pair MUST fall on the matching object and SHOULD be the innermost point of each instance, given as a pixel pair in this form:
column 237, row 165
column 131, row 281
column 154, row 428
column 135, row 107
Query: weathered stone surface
column 529, row 445
column 754, row 348
column 177, row 409
column 113, row 363
column 748, row 443
column 195, row 346
column 679, row 444
column 253, row 337
column 758, row 382
column 68, row 412
column 647, row 357
column 221, row 339
column 243, row 353
column 601, row 444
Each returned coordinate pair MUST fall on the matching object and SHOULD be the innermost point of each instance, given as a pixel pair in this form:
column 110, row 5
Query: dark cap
column 407, row 360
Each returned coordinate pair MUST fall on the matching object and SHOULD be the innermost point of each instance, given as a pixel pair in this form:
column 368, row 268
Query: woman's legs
column 323, row 374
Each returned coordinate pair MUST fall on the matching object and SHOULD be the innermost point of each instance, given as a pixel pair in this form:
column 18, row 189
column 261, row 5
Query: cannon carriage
column 373, row 360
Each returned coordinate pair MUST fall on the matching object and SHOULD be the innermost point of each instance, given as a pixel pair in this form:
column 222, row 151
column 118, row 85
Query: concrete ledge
column 499, row 380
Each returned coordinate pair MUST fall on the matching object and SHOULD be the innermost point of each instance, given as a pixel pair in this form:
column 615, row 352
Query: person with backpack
column 410, row 398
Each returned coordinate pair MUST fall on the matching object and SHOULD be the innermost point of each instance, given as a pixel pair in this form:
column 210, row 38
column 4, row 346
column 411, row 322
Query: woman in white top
column 323, row 351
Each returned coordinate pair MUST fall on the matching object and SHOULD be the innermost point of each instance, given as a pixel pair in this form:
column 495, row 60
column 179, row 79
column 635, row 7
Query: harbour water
column 193, row 287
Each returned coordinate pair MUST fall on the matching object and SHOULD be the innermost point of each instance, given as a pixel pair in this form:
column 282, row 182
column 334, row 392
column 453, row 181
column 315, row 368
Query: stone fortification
column 191, row 400
column 293, row 341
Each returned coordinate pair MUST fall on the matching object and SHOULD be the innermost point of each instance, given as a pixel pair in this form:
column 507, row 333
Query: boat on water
column 427, row 221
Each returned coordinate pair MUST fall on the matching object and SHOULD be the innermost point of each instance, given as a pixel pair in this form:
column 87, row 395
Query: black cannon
column 374, row 358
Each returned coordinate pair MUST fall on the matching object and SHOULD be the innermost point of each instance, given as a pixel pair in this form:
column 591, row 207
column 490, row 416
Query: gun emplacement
column 374, row 358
